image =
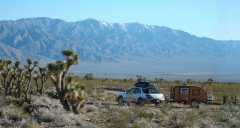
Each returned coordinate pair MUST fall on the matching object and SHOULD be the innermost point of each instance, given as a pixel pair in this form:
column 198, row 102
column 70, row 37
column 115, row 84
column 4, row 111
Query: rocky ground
column 47, row 112
column 43, row 112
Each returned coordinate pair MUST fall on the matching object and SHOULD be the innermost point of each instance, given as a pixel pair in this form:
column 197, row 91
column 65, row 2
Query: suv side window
column 130, row 91
column 146, row 90
column 137, row 91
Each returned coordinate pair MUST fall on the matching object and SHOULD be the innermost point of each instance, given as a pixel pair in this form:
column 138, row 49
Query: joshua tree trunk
column 18, row 89
column 19, row 84
column 37, row 84
column 29, row 88
column 59, row 85
column 9, row 86
column 43, row 79
column 5, row 83
column 5, row 86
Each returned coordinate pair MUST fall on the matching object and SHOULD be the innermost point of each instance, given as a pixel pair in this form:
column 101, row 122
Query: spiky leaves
column 17, row 64
column 56, row 67
column 4, row 64
column 68, row 52
column 71, row 58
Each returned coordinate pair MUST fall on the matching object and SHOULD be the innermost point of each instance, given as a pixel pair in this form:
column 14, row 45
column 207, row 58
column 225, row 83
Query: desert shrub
column 76, row 97
column 88, row 76
column 142, row 123
column 32, row 125
column 136, row 125
column 125, row 80
column 13, row 112
column 228, row 114
column 176, row 120
column 142, row 113
column 192, row 117
column 119, row 119
column 233, row 109
column 116, row 117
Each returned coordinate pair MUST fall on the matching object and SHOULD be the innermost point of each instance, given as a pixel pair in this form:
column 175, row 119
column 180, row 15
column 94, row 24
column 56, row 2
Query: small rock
column 90, row 108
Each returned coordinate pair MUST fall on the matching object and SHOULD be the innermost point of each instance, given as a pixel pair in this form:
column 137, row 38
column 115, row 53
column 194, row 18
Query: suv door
column 135, row 95
column 129, row 94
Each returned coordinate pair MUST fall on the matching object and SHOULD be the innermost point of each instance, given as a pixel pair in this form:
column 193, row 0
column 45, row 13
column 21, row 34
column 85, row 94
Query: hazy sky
column 219, row 19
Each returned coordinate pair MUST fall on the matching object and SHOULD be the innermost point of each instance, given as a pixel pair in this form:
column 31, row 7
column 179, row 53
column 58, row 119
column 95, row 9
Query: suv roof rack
column 143, row 85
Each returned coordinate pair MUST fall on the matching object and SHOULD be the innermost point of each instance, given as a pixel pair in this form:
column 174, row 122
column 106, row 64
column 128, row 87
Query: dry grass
column 166, row 116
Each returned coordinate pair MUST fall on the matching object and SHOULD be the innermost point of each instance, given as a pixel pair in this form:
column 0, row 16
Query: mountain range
column 130, row 48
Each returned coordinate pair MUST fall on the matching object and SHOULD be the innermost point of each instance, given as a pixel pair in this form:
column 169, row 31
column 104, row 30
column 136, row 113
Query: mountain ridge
column 109, row 23
column 102, row 42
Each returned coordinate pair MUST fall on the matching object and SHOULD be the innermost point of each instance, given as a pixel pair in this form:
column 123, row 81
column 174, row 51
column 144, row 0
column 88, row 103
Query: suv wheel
column 140, row 102
column 120, row 100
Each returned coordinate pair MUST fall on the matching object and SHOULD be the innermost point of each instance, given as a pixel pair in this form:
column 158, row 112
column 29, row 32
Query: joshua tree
column 30, row 67
column 58, row 72
column 40, row 77
column 8, row 75
column 11, row 84
column 17, row 81
column 6, row 70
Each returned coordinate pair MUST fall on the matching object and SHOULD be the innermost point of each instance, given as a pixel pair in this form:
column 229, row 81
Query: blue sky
column 218, row 19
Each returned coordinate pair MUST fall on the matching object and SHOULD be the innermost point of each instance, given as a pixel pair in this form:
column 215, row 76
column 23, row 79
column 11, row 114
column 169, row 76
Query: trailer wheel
column 157, row 102
column 195, row 104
